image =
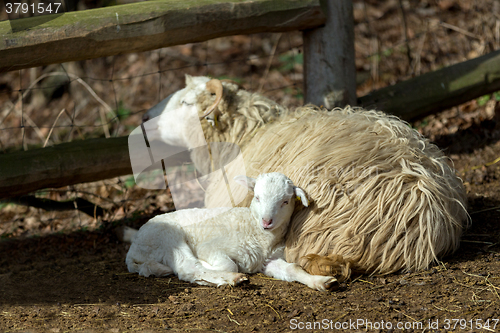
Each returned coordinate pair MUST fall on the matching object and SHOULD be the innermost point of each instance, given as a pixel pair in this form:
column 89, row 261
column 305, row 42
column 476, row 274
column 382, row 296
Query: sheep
column 383, row 197
column 211, row 246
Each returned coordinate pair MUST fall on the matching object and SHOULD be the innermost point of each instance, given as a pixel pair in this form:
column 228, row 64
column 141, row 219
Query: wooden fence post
column 329, row 68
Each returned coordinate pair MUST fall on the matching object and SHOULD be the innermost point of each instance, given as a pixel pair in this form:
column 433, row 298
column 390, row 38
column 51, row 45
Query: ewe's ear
column 301, row 195
column 189, row 79
column 245, row 181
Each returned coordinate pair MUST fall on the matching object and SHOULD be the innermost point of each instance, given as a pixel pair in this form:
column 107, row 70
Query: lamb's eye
column 257, row 198
column 285, row 203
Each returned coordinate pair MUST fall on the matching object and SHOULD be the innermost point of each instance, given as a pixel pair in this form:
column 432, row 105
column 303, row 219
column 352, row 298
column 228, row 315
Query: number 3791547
column 39, row 8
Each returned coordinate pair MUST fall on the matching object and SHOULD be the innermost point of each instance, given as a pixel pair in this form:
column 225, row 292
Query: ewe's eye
column 284, row 203
column 257, row 198
column 185, row 103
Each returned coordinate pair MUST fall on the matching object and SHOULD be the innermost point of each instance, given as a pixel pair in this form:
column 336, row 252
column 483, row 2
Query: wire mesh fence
column 106, row 97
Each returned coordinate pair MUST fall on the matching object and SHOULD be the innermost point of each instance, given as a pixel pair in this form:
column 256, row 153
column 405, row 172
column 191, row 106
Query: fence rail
column 145, row 26
column 66, row 164
column 438, row 90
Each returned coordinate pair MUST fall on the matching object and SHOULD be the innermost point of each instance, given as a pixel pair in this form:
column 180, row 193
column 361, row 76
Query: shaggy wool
column 383, row 198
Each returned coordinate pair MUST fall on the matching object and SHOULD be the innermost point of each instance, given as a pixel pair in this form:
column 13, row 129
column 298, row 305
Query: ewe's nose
column 266, row 223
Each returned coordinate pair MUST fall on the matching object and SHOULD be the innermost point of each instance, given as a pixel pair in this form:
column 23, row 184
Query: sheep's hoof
column 332, row 284
column 241, row 280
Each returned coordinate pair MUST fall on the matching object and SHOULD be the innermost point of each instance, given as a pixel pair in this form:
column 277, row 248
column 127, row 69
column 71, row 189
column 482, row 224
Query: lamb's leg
column 145, row 266
column 220, row 265
column 201, row 272
column 189, row 268
column 154, row 268
column 282, row 270
column 214, row 259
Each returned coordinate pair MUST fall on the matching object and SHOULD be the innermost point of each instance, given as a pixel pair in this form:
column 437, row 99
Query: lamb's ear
column 189, row 79
column 301, row 195
column 245, row 181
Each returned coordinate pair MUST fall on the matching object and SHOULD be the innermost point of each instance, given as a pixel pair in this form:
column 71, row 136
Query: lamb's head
column 274, row 198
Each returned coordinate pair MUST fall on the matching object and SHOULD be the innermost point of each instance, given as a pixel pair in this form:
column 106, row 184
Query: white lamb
column 219, row 250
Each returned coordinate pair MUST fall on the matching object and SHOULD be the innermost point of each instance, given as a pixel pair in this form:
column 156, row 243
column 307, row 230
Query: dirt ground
column 79, row 282
column 65, row 271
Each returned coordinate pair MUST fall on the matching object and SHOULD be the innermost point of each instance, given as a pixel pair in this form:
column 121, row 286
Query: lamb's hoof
column 241, row 280
column 332, row 284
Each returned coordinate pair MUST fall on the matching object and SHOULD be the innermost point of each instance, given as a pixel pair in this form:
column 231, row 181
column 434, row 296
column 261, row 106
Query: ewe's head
column 181, row 113
column 274, row 198
column 211, row 109
column 178, row 123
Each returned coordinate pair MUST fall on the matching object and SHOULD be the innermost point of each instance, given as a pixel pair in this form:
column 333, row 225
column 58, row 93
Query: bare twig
column 460, row 30
column 488, row 329
column 497, row 32
column 405, row 32
column 493, row 286
column 418, row 62
column 443, row 309
column 485, row 210
column 366, row 281
column 340, row 317
column 481, row 165
column 52, row 128
column 105, row 126
column 269, row 63
column 32, row 124
column 279, row 316
column 375, row 59
column 404, row 314
column 234, row 321
column 24, row 116
column 478, row 242
column 464, row 285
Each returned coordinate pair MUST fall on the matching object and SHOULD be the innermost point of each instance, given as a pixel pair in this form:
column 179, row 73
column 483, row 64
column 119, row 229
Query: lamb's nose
column 266, row 223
